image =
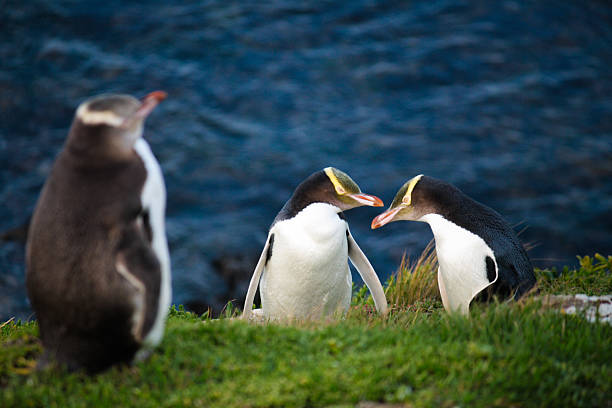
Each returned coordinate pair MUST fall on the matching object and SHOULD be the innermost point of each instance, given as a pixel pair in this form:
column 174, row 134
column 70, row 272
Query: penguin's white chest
column 153, row 199
column 462, row 271
column 307, row 275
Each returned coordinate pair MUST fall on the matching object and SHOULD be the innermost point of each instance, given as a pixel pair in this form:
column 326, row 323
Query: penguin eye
column 406, row 200
column 340, row 190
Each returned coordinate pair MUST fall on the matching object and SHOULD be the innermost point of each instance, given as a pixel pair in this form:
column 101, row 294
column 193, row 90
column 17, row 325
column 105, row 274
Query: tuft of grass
column 593, row 277
column 413, row 286
column 20, row 349
column 415, row 282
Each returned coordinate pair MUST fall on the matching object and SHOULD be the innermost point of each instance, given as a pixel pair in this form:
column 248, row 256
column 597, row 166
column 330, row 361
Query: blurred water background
column 510, row 101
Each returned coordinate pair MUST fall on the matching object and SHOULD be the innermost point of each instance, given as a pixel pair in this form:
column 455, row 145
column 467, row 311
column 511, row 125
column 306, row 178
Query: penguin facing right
column 97, row 261
column 476, row 248
column 303, row 267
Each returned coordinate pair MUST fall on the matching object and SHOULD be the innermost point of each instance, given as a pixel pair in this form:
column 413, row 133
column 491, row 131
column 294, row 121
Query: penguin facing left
column 303, row 267
column 476, row 248
column 97, row 260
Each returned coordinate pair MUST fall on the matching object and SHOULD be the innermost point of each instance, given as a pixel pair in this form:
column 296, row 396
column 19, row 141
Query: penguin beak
column 149, row 103
column 385, row 218
column 366, row 199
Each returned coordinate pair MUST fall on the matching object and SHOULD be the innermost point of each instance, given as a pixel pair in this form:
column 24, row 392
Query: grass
column 592, row 277
column 505, row 354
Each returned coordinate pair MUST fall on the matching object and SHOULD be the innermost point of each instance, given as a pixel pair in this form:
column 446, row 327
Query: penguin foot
column 256, row 316
column 143, row 354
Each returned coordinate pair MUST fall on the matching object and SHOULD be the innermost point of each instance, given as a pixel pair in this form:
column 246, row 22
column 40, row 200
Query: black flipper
column 139, row 259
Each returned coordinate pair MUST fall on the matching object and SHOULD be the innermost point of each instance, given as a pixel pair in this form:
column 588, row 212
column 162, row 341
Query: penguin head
column 110, row 124
column 346, row 193
column 418, row 196
column 330, row 186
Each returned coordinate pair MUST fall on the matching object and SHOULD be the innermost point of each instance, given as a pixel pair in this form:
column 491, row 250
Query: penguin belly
column 462, row 271
column 153, row 198
column 307, row 275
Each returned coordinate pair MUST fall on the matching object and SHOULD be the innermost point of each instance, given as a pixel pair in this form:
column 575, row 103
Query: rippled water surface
column 511, row 101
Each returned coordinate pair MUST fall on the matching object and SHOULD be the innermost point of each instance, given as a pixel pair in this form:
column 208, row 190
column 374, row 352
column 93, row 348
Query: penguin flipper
column 263, row 259
column 367, row 273
column 510, row 283
column 137, row 263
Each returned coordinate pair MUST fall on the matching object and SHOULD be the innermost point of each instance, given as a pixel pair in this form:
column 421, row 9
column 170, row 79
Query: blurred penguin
column 98, row 267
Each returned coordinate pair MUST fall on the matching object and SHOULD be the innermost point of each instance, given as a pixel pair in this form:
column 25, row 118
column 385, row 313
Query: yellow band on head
column 408, row 196
column 332, row 177
column 106, row 117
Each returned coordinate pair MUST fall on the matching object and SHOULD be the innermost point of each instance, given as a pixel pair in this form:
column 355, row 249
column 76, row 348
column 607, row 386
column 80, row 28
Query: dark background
column 511, row 101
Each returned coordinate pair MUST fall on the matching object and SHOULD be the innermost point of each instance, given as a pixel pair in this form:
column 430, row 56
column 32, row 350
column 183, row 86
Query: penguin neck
column 315, row 189
column 293, row 207
column 98, row 151
column 318, row 222
column 444, row 230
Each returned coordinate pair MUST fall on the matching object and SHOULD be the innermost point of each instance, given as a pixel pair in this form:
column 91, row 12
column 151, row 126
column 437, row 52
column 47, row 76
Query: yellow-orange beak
column 149, row 103
column 366, row 199
column 385, row 218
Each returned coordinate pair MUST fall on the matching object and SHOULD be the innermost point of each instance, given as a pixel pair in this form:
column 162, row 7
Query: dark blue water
column 511, row 101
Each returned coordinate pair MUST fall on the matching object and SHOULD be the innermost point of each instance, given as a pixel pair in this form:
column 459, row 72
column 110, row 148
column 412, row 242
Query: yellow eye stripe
column 408, row 196
column 330, row 174
column 106, row 117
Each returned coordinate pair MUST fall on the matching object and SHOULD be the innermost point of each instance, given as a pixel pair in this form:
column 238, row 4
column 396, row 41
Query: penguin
column 303, row 266
column 97, row 260
column 475, row 247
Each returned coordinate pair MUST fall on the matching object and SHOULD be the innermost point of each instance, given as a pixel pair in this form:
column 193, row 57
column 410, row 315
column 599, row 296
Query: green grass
column 593, row 277
column 505, row 354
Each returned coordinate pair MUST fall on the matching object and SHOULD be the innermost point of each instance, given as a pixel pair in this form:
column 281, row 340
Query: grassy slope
column 503, row 355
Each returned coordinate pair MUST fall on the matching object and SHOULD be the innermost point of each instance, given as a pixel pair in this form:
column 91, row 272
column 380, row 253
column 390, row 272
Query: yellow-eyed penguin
column 303, row 266
column 476, row 248
column 97, row 261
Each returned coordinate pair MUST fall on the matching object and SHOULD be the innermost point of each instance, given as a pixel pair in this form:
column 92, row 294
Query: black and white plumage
column 476, row 248
column 303, row 267
column 97, row 261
